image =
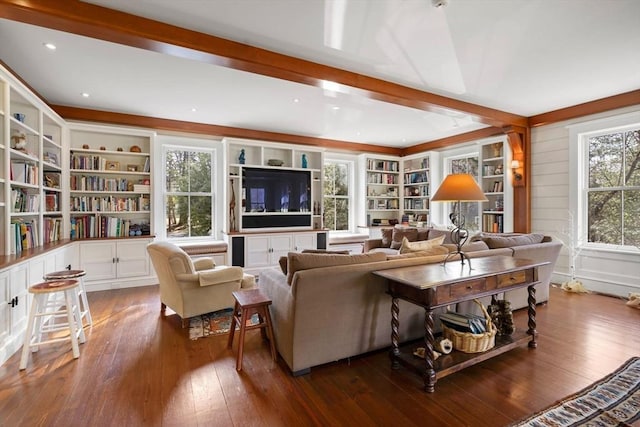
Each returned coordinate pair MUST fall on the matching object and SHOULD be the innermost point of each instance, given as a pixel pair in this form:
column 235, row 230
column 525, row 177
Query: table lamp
column 459, row 187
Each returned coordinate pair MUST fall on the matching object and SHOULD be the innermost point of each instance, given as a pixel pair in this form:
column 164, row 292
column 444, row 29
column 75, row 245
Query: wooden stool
column 43, row 307
column 248, row 303
column 82, row 293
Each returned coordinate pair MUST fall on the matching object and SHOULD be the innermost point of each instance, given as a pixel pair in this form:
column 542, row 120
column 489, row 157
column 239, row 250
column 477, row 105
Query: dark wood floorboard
column 140, row 368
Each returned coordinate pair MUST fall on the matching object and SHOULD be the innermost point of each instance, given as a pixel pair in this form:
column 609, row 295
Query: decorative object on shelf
column 498, row 170
column 112, row 166
column 18, row 140
column 304, row 161
column 103, row 148
column 515, row 166
column 119, row 149
column 242, row 157
column 497, row 149
column 232, row 209
column 19, row 117
column 85, row 146
column 132, row 168
column 135, row 149
column 460, row 187
column 502, row 317
column 275, row 162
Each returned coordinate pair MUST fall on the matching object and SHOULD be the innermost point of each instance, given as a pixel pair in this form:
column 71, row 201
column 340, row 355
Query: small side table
column 248, row 303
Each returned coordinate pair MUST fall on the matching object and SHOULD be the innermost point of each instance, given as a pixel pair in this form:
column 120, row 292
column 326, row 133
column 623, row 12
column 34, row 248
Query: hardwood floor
column 138, row 368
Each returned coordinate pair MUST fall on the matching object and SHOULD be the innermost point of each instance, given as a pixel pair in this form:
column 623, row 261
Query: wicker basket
column 472, row 343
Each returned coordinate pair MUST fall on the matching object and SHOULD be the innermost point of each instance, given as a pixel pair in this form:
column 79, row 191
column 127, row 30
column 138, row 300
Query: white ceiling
column 521, row 56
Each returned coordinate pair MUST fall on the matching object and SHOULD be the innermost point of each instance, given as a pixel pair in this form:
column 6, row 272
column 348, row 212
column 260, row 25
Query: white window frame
column 351, row 172
column 579, row 135
column 189, row 146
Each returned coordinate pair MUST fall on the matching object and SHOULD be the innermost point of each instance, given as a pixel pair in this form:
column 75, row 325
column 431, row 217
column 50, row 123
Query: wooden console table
column 436, row 285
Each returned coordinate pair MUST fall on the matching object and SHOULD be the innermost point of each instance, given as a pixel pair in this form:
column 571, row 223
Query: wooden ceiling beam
column 82, row 114
column 101, row 23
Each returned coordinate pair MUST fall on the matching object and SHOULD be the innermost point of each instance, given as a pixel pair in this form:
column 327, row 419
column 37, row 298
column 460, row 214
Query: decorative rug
column 215, row 323
column 612, row 401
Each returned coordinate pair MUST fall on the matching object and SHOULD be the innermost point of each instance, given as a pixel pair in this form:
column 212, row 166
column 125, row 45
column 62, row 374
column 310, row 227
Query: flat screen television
column 276, row 198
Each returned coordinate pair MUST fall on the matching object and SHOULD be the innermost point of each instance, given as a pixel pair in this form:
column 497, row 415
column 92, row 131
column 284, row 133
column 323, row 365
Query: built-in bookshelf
column 416, row 189
column 383, row 197
column 497, row 211
column 110, row 182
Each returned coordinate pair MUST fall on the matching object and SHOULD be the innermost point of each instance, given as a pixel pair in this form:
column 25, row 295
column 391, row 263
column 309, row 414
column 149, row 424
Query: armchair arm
column 221, row 274
column 371, row 244
column 204, row 263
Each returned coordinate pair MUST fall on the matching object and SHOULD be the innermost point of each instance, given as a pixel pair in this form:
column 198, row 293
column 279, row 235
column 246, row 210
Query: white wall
column 611, row 272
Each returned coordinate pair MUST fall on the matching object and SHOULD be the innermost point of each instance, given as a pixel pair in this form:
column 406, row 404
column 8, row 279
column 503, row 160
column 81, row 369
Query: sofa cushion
column 424, row 245
column 299, row 261
column 387, row 236
column 434, row 250
column 410, row 234
column 495, row 242
column 283, row 259
column 436, row 232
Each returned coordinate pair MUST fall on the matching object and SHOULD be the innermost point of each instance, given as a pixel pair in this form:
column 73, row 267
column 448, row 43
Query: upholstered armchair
column 193, row 287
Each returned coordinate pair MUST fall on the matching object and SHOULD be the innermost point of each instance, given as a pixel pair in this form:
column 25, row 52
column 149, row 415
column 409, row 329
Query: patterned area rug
column 216, row 323
column 612, row 401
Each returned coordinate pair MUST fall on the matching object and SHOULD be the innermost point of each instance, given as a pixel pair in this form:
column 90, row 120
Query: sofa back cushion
column 283, row 259
column 478, row 245
column 495, row 242
column 299, row 261
column 435, row 250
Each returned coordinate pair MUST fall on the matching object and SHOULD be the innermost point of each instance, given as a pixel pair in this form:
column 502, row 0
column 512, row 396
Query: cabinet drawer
column 460, row 290
column 513, row 278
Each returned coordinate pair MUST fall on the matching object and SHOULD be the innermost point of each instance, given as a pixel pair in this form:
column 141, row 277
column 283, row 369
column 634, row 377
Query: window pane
column 200, row 216
column 632, row 158
column 200, row 172
column 605, row 160
column 342, row 214
column 177, row 170
column 330, row 213
column 631, row 223
column 336, row 177
column 177, row 216
column 605, row 209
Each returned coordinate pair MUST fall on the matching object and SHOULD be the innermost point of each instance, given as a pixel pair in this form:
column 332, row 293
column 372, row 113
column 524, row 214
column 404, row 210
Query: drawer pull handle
column 513, row 279
column 469, row 287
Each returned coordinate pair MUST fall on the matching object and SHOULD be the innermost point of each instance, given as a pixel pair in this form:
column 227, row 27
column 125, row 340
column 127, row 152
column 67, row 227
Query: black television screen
column 276, row 190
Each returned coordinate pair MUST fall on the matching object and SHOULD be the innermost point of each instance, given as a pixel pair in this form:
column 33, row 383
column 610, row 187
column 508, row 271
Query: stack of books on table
column 462, row 322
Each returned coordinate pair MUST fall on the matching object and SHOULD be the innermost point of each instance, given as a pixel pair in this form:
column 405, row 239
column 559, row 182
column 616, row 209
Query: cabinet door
column 98, row 259
column 304, row 241
column 281, row 245
column 257, row 251
column 132, row 258
column 18, row 285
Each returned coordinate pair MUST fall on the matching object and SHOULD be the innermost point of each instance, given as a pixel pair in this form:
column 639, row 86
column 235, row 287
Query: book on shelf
column 464, row 322
column 142, row 188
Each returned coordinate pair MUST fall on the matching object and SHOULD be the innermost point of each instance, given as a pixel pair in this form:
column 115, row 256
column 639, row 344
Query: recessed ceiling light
column 194, row 109
column 296, row 100
column 85, row 94
column 50, row 46
column 335, row 107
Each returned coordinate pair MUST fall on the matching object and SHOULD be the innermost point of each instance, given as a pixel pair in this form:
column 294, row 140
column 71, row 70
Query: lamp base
column 463, row 256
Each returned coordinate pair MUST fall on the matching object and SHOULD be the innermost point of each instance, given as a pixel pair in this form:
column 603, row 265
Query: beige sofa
column 339, row 311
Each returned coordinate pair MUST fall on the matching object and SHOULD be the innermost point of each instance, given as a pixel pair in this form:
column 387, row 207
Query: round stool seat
column 53, row 286
column 64, row 274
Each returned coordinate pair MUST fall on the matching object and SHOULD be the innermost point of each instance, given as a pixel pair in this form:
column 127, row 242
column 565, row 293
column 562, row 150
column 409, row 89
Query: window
column 337, row 199
column 612, row 186
column 188, row 197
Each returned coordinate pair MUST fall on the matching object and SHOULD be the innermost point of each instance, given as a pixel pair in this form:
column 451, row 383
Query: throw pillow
column 387, row 237
column 424, row 245
column 283, row 264
column 495, row 242
column 411, row 235
column 299, row 261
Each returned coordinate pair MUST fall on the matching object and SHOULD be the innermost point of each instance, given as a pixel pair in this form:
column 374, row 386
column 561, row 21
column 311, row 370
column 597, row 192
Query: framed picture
column 112, row 166
column 132, row 168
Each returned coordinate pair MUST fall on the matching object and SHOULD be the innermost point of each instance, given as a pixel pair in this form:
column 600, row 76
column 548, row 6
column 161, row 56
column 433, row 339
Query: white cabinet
column 266, row 250
column 111, row 264
column 302, row 241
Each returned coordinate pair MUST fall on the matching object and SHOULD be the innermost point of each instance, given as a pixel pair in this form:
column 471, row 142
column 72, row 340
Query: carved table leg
column 429, row 371
column 395, row 338
column 532, row 317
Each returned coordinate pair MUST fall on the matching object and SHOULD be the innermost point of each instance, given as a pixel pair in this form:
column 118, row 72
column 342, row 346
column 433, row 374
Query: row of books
column 416, row 177
column 383, row 165
column 88, row 162
column 463, row 322
column 99, row 183
column 416, row 204
column 94, row 226
column 382, row 178
column 22, row 201
column 24, row 172
column 497, row 187
column 109, row 204
column 383, row 204
column 417, row 191
column 52, row 229
column 24, row 235
column 493, row 223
